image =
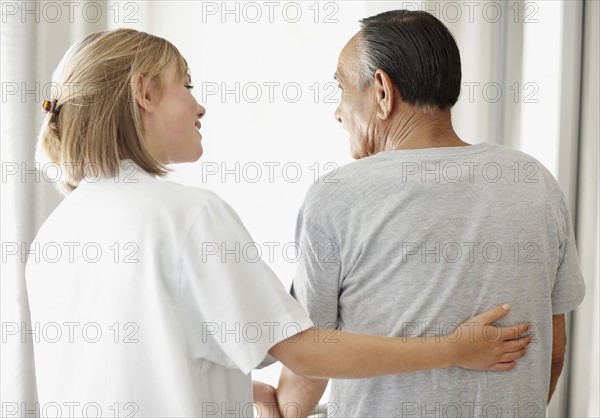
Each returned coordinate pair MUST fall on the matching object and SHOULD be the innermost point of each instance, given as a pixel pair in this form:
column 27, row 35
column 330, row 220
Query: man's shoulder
column 347, row 184
column 525, row 167
column 339, row 184
column 501, row 151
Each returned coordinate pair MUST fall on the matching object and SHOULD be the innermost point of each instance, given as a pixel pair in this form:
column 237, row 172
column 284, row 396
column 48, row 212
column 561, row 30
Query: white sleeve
column 234, row 307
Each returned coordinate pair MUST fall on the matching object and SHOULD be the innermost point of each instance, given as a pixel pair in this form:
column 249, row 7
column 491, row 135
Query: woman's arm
column 318, row 353
column 475, row 344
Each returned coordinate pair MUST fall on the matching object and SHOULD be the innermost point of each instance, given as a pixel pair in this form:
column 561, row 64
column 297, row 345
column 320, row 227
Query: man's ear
column 146, row 95
column 384, row 94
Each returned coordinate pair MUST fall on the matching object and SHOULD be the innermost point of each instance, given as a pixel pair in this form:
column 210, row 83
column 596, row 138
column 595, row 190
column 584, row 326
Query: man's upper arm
column 569, row 286
column 316, row 282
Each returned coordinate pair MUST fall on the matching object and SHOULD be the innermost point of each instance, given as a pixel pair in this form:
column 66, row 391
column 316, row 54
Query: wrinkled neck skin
column 413, row 128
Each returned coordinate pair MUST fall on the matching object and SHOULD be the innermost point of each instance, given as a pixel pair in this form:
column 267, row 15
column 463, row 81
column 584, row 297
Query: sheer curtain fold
column 32, row 46
column 584, row 387
column 19, row 48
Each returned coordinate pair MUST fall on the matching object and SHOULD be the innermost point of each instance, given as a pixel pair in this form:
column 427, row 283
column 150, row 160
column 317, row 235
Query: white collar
column 129, row 172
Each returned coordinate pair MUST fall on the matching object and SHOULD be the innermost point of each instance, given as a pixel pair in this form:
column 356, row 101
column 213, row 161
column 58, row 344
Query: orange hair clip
column 49, row 106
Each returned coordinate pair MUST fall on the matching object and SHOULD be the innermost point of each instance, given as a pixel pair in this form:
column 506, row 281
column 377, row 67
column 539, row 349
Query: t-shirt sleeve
column 316, row 283
column 234, row 307
column 569, row 286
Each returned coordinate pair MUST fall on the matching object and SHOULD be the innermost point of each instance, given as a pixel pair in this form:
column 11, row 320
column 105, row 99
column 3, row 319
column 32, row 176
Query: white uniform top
column 146, row 300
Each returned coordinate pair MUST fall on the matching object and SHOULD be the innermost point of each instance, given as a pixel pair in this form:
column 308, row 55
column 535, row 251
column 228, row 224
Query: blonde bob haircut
column 96, row 122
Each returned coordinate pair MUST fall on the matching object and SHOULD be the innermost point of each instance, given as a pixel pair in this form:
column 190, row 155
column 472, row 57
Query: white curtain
column 584, row 389
column 35, row 35
column 522, row 72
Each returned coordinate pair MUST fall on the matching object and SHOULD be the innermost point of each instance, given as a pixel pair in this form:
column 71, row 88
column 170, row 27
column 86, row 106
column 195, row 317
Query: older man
column 426, row 230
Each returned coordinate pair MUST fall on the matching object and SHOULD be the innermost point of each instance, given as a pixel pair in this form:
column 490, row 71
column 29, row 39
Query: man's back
column 428, row 238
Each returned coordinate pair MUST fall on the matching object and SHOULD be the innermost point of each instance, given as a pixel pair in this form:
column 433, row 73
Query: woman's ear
column 384, row 94
column 145, row 94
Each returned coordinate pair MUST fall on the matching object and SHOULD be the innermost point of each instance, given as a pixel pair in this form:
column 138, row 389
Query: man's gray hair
column 365, row 67
column 418, row 53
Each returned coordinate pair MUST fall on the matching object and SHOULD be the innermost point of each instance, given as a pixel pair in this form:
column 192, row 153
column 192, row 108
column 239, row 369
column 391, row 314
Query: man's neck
column 416, row 130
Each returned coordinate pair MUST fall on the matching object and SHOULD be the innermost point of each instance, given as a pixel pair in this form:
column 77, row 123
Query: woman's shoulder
column 184, row 200
column 149, row 196
column 177, row 191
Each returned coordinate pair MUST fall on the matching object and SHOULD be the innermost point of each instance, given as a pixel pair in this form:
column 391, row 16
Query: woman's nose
column 201, row 111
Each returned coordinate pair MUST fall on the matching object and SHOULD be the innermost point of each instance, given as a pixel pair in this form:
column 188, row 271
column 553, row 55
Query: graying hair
column 365, row 66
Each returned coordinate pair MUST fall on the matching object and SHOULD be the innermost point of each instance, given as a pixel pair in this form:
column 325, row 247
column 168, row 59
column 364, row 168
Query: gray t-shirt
column 414, row 242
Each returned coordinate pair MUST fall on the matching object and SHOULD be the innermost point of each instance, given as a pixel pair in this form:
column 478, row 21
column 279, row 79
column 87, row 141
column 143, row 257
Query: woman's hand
column 481, row 346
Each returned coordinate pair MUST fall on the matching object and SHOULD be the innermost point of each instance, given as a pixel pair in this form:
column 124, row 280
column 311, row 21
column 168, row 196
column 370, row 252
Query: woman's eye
column 189, row 86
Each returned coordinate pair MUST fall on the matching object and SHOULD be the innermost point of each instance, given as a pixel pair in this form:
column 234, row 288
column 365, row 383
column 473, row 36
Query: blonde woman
column 139, row 318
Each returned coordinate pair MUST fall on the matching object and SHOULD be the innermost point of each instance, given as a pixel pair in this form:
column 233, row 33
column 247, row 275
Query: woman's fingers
column 507, row 357
column 502, row 367
column 515, row 345
column 504, row 345
column 492, row 315
column 514, row 332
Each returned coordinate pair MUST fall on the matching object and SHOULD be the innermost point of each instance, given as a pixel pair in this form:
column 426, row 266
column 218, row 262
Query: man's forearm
column 555, row 372
column 298, row 396
column 265, row 400
column 559, row 343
